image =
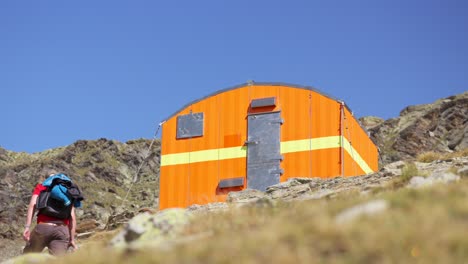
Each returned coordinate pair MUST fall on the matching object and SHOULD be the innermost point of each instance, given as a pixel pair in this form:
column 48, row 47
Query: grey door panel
column 263, row 151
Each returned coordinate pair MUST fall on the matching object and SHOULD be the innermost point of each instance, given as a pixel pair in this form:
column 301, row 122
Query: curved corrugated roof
column 310, row 88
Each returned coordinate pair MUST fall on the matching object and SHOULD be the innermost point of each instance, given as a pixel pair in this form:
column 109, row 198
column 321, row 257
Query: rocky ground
column 390, row 177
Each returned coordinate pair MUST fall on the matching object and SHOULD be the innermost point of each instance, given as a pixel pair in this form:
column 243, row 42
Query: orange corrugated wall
column 306, row 114
column 361, row 143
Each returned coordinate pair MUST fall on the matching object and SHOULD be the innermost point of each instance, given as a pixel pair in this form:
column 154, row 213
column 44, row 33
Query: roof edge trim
column 310, row 88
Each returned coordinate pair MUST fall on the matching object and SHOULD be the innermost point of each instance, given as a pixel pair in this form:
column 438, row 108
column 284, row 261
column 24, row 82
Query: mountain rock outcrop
column 104, row 170
column 440, row 127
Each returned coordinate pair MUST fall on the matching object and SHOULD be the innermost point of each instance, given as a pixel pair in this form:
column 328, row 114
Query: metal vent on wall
column 190, row 125
column 263, row 102
column 234, row 182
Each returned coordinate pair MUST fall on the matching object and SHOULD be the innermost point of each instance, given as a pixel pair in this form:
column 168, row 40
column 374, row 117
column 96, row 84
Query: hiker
column 55, row 232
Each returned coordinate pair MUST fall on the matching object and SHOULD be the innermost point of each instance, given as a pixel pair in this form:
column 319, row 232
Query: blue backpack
column 59, row 197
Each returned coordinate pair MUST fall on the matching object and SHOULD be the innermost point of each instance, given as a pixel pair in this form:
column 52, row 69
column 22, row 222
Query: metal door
column 263, row 151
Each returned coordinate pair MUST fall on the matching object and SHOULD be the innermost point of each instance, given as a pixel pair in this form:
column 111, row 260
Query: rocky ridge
column 440, row 127
column 104, row 169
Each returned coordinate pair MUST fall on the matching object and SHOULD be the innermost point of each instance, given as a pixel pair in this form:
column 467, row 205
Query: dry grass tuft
column 407, row 172
column 431, row 156
column 428, row 157
column 460, row 153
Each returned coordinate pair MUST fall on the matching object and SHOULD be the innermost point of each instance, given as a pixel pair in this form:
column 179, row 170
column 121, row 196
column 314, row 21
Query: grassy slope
column 420, row 226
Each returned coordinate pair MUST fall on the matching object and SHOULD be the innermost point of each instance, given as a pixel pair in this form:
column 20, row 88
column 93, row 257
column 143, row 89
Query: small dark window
column 190, row 125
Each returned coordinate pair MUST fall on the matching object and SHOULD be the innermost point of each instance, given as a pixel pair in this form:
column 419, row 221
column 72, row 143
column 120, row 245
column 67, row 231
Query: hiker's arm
column 29, row 217
column 72, row 228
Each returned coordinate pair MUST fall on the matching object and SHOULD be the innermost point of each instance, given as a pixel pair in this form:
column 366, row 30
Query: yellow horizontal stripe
column 232, row 153
column 310, row 144
column 174, row 159
column 285, row 147
column 204, row 155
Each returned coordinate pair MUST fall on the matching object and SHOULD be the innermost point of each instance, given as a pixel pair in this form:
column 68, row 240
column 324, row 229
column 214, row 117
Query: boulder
column 463, row 171
column 436, row 177
column 370, row 121
column 152, row 230
column 369, row 208
column 393, row 168
column 196, row 208
column 418, row 182
column 245, row 196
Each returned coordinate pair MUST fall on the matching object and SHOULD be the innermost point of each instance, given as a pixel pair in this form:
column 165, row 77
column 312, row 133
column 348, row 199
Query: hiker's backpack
column 58, row 199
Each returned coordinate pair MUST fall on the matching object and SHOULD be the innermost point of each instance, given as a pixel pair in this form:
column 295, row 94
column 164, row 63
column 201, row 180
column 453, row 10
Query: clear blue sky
column 73, row 70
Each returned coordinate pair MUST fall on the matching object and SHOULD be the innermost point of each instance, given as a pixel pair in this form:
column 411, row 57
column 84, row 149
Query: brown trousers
column 55, row 238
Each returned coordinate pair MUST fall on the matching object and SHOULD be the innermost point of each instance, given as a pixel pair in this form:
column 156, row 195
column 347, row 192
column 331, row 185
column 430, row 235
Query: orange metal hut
column 256, row 135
